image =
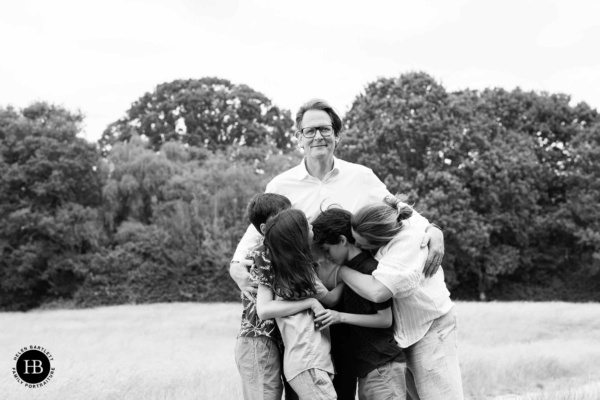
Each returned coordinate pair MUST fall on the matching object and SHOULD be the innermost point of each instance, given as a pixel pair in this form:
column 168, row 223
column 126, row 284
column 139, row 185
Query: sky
column 100, row 56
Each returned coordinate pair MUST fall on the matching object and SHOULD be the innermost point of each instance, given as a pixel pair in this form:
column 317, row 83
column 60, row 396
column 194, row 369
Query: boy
column 364, row 347
column 258, row 347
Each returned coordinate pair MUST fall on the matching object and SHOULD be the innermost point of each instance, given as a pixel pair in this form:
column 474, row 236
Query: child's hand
column 327, row 317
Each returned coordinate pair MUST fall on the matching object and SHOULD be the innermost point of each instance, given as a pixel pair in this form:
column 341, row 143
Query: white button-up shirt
column 348, row 185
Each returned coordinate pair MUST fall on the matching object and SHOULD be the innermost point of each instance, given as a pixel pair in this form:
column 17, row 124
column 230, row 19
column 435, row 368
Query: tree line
column 154, row 210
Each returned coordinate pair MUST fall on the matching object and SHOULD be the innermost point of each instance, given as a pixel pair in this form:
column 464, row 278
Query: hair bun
column 404, row 212
column 396, row 202
column 392, row 201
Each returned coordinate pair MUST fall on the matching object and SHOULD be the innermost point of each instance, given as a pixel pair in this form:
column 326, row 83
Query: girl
column 290, row 274
column 424, row 317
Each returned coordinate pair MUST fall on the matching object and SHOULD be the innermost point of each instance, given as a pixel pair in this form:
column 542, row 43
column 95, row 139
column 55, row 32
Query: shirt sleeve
column 251, row 239
column 417, row 218
column 382, row 306
column 274, row 186
column 375, row 190
column 401, row 261
column 368, row 267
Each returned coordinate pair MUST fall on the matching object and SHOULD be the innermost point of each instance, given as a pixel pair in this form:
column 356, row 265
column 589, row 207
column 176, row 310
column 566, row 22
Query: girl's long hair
column 380, row 223
column 286, row 238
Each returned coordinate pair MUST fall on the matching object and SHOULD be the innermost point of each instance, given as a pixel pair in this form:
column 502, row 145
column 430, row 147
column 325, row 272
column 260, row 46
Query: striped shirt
column 418, row 301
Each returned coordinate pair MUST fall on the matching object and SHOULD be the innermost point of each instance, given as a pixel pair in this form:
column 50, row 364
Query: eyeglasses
column 325, row 130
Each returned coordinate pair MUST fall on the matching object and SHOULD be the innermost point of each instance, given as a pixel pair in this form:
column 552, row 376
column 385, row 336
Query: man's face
column 318, row 147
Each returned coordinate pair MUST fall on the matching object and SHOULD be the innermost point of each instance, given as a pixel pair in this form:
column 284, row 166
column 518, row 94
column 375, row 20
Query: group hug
column 343, row 293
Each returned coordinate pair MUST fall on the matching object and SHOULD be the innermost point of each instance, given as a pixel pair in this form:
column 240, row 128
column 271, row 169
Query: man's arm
column 237, row 267
column 434, row 239
column 251, row 239
column 239, row 273
column 401, row 261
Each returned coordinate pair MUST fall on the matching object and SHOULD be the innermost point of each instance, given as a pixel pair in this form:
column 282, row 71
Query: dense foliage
column 207, row 112
column 155, row 211
column 174, row 218
column 50, row 196
column 510, row 176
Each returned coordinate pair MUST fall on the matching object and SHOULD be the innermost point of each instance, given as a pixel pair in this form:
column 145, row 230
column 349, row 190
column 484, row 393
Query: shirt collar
column 303, row 172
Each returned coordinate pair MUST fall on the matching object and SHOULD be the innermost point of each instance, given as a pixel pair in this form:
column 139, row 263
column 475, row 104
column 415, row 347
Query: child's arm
column 333, row 297
column 383, row 319
column 268, row 308
column 366, row 286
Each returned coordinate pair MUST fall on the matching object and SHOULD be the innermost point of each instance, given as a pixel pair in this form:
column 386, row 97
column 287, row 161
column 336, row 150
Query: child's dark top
column 252, row 325
column 365, row 348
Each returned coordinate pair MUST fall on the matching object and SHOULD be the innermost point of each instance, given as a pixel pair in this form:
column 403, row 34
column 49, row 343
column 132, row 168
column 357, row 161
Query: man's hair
column 330, row 225
column 319, row 104
column 262, row 206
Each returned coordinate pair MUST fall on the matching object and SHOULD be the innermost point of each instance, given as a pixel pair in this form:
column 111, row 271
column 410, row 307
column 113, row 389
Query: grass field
column 530, row 351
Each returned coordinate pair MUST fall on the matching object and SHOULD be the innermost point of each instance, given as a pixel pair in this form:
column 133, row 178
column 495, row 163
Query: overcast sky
column 100, row 56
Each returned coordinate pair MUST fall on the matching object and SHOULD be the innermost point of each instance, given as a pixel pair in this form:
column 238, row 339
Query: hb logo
column 37, row 366
column 33, row 366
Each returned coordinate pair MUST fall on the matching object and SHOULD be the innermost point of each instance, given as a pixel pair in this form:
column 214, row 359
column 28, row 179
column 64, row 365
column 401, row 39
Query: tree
column 174, row 218
column 50, row 187
column 493, row 168
column 208, row 112
column 581, row 213
column 396, row 118
column 135, row 182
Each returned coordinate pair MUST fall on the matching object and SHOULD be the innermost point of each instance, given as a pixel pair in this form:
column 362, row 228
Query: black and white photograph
column 265, row 200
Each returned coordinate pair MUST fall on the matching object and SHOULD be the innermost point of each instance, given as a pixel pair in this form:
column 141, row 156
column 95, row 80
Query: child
column 365, row 346
column 258, row 349
column 290, row 275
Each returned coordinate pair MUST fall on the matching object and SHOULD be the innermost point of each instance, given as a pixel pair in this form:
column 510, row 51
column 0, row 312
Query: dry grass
column 528, row 351
column 161, row 351
column 515, row 348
